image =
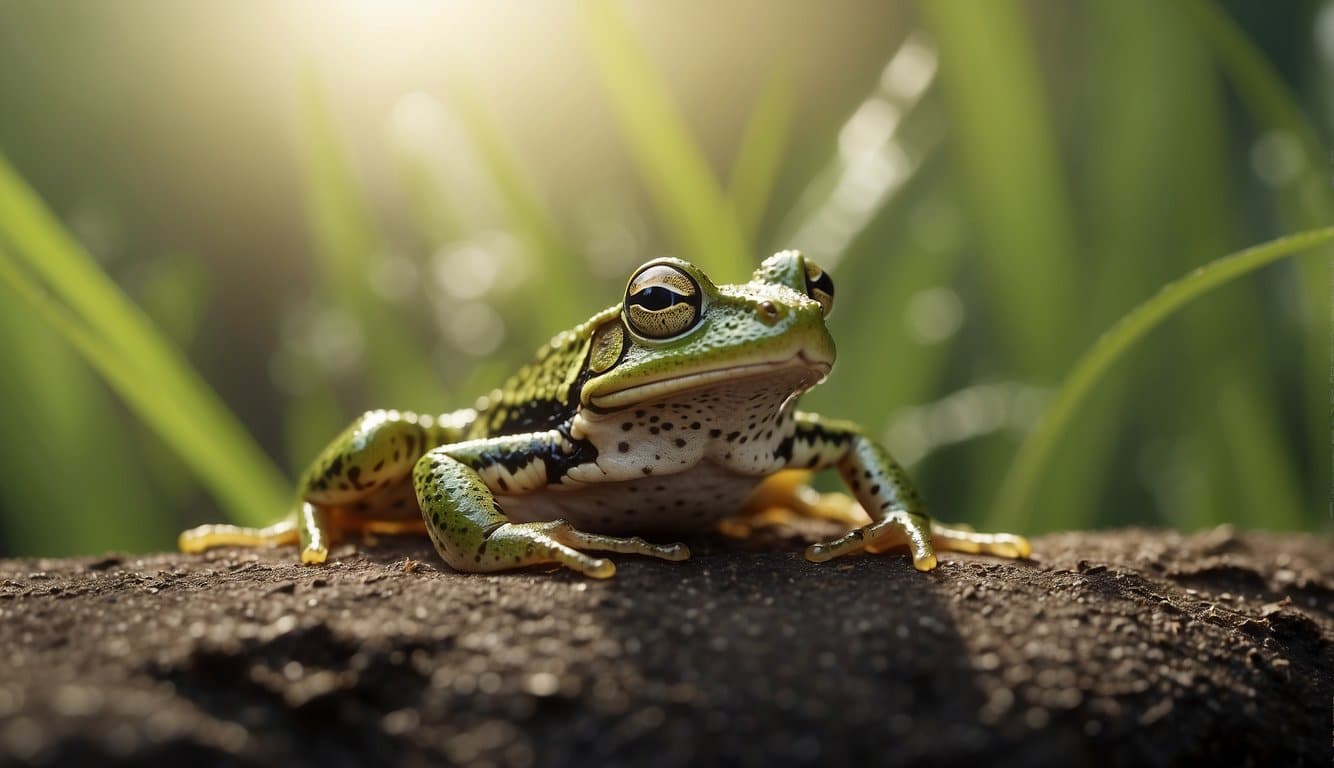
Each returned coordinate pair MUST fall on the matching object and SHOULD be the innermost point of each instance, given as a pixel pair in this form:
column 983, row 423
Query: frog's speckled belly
column 689, row 501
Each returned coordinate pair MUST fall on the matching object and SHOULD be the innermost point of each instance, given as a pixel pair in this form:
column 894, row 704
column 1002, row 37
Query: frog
column 663, row 415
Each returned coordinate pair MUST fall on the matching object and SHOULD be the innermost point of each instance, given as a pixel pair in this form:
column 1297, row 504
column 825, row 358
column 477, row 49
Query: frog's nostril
column 769, row 312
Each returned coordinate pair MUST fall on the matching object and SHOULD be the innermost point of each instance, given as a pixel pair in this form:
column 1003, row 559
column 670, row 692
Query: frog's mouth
column 815, row 370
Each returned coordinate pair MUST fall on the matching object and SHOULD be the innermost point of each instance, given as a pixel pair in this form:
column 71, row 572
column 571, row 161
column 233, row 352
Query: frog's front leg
column 455, row 487
column 888, row 496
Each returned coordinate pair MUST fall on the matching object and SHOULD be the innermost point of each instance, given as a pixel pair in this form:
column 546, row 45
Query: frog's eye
column 820, row 286
column 662, row 301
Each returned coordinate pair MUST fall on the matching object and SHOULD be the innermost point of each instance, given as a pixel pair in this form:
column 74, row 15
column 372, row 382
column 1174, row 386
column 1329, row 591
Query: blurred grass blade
column 1007, row 152
column 196, row 445
column 53, row 403
column 347, row 243
column 1260, row 87
column 760, row 153
column 188, row 414
column 1017, row 492
column 1306, row 201
column 678, row 177
column 529, row 219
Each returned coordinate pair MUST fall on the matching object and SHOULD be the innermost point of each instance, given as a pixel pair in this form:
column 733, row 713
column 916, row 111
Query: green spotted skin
column 658, row 415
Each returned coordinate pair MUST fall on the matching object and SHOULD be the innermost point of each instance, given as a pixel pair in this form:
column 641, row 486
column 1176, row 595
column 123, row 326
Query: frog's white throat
column 794, row 375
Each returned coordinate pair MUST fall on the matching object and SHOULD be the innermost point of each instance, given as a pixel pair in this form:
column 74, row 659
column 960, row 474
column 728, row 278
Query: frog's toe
column 956, row 538
column 314, row 555
column 209, row 536
column 630, row 546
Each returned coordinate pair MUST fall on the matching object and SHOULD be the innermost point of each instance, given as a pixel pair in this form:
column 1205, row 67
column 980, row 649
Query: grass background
column 226, row 229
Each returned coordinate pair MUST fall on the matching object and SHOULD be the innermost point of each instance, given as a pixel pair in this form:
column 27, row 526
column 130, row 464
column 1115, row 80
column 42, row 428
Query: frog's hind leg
column 787, row 496
column 205, row 537
column 375, row 452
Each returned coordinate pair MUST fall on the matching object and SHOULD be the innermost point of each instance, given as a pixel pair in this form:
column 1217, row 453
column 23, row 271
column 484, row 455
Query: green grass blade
column 163, row 414
column 683, row 187
column 191, row 417
column 528, row 216
column 347, row 242
column 1007, row 151
column 761, row 152
column 1017, row 491
column 1307, row 201
column 52, row 404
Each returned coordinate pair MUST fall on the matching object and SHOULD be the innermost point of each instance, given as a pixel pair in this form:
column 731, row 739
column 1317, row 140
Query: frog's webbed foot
column 556, row 541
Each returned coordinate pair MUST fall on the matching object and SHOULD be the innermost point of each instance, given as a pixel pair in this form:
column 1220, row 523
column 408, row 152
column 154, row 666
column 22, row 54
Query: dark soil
column 1125, row 648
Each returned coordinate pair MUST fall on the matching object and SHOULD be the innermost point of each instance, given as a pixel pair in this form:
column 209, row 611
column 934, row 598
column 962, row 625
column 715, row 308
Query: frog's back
column 544, row 394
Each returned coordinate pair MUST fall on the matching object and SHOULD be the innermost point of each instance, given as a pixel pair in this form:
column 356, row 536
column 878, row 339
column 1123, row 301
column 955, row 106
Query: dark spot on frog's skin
column 504, row 486
column 343, row 486
column 335, row 466
column 680, row 443
column 715, row 432
column 654, row 430
column 623, row 447
column 394, row 458
column 815, row 460
column 875, row 489
column 732, row 436
column 400, row 503
column 640, row 414
column 379, row 465
column 657, row 457
column 744, row 439
column 627, row 426
column 654, row 419
column 694, row 425
column 667, row 425
column 646, row 470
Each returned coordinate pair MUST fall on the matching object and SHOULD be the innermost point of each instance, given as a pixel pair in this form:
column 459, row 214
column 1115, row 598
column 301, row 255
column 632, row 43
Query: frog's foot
column 896, row 529
column 887, row 535
column 520, row 544
column 205, row 537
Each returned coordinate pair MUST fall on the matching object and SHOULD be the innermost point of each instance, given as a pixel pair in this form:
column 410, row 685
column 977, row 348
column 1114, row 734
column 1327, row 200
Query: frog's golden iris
column 662, row 301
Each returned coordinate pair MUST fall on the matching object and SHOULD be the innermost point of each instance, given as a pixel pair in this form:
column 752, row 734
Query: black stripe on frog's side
column 813, row 434
column 557, row 456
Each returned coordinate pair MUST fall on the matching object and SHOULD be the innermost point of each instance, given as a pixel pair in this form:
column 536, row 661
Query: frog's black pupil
column 657, row 298
column 823, row 283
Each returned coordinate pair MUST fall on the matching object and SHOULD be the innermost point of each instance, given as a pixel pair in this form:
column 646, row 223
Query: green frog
column 660, row 415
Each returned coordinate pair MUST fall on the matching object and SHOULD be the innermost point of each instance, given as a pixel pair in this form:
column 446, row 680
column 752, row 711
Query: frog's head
column 677, row 332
